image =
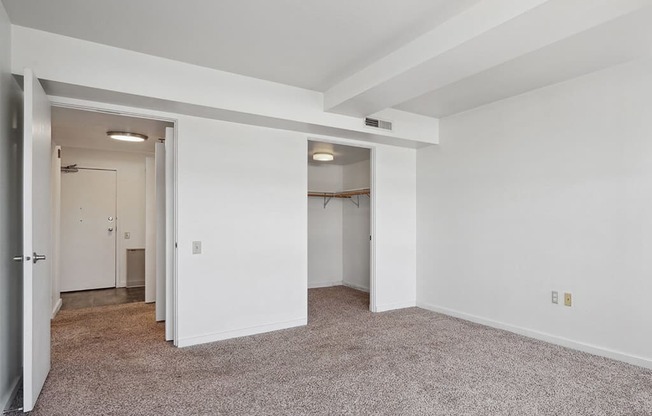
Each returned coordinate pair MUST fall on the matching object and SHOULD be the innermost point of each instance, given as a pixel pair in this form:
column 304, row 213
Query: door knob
column 110, row 229
column 38, row 257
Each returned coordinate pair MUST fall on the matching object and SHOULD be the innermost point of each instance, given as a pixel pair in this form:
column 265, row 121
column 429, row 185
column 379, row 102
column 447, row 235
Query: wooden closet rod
column 344, row 194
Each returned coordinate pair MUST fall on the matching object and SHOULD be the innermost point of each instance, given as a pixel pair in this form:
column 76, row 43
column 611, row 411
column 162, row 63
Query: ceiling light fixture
column 126, row 136
column 323, row 157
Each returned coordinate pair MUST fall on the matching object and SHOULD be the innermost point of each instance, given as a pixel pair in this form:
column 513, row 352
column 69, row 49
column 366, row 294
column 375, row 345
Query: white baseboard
column 543, row 336
column 393, row 306
column 8, row 396
column 356, row 287
column 316, row 285
column 57, row 308
column 236, row 333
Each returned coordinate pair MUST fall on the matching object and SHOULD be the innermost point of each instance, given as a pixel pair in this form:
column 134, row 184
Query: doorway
column 107, row 206
column 339, row 217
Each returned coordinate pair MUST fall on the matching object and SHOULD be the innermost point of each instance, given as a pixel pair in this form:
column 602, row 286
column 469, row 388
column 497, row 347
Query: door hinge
column 59, row 153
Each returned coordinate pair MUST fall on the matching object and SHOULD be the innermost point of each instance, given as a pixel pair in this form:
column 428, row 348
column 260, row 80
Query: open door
column 159, row 167
column 36, row 239
column 170, row 238
column 165, row 235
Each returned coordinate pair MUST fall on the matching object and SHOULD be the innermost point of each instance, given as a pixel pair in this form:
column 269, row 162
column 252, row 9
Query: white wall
column 325, row 250
column 11, row 290
column 242, row 193
column 225, row 200
column 356, row 227
column 394, row 195
column 131, row 195
column 551, row 190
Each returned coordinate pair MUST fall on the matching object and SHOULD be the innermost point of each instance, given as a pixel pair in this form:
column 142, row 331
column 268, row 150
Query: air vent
column 378, row 124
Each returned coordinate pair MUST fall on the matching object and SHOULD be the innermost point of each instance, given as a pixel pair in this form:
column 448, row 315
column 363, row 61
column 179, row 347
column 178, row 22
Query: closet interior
column 339, row 216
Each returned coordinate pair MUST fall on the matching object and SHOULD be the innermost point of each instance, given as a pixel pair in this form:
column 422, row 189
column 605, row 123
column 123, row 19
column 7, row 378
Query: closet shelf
column 343, row 195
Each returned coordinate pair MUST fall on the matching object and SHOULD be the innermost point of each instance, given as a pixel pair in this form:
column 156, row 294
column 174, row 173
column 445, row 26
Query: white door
column 159, row 162
column 88, row 229
column 170, row 238
column 150, row 230
column 36, row 239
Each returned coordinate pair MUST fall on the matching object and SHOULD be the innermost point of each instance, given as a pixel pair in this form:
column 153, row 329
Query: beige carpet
column 347, row 361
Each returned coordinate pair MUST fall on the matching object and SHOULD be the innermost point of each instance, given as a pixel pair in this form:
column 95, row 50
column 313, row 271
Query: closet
column 339, row 222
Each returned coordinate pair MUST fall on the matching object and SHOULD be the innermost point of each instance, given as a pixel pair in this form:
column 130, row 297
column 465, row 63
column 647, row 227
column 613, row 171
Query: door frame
column 117, row 225
column 171, row 217
column 372, row 206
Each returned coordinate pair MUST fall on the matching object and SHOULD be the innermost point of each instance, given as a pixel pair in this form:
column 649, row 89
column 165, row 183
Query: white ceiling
column 309, row 44
column 435, row 58
column 343, row 155
column 87, row 129
column 618, row 41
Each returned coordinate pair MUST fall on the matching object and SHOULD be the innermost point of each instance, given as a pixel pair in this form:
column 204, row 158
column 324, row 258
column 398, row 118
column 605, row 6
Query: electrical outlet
column 127, row 235
column 568, row 299
column 555, row 297
column 196, row 247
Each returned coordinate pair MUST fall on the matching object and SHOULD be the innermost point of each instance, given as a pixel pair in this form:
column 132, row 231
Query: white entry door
column 88, row 229
column 36, row 239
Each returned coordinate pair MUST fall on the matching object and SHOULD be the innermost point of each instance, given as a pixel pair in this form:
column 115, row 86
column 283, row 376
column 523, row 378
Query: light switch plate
column 127, row 235
column 196, row 247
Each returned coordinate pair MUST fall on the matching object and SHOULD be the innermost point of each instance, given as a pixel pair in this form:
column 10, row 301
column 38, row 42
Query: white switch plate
column 127, row 235
column 555, row 296
column 196, row 247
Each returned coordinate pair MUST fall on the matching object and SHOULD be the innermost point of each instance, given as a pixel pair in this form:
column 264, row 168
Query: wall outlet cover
column 555, row 297
column 568, row 299
column 196, row 247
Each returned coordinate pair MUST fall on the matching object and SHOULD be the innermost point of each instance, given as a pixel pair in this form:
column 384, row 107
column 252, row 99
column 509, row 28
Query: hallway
column 102, row 297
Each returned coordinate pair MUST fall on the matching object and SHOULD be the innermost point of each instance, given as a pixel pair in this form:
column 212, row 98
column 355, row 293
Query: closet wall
column 338, row 235
column 324, row 228
column 356, row 228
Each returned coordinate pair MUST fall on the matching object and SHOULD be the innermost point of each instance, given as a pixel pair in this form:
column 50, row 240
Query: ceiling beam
column 482, row 37
column 622, row 40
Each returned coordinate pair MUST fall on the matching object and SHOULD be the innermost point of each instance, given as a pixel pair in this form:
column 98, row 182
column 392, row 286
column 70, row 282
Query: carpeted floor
column 347, row 361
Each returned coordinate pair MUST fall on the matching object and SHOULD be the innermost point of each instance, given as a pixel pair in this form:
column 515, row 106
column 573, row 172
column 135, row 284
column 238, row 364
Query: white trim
column 543, row 336
column 57, row 308
column 356, row 287
column 394, row 306
column 316, row 285
column 243, row 332
column 11, row 394
column 373, row 307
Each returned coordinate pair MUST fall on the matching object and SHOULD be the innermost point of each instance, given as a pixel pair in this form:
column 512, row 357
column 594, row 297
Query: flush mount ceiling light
column 126, row 136
column 323, row 157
